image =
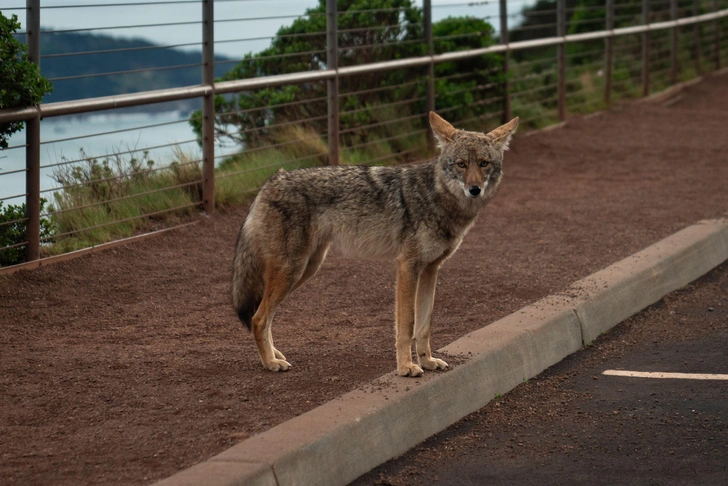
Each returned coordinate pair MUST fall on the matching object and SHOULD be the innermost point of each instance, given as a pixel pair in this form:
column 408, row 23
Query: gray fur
column 417, row 215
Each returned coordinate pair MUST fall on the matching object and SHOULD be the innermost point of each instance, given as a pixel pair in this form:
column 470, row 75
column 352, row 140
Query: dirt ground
column 127, row 365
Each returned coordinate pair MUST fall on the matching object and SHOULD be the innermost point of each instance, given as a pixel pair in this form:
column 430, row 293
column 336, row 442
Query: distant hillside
column 143, row 57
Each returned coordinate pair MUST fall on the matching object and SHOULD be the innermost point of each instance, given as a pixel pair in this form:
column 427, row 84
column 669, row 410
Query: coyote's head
column 472, row 162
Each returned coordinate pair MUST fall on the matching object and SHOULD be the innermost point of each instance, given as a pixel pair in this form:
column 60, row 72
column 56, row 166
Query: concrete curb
column 346, row 437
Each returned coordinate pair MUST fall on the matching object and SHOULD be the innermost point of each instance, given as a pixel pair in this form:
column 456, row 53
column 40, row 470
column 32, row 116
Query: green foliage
column 369, row 31
column 13, row 231
column 466, row 88
column 106, row 199
column 20, row 81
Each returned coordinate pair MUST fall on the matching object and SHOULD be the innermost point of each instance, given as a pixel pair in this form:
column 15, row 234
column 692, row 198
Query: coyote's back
column 417, row 215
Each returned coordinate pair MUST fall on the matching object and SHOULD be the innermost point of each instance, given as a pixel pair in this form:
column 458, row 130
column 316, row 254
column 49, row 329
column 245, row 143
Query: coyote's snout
column 415, row 215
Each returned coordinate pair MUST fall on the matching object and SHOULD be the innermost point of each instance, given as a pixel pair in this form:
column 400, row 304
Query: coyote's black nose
column 474, row 190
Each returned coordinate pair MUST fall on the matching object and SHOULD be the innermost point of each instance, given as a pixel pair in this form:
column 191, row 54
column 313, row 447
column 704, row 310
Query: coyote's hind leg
column 278, row 284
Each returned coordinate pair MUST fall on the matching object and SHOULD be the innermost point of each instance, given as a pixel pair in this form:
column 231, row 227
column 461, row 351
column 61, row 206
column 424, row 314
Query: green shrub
column 20, row 81
column 13, row 232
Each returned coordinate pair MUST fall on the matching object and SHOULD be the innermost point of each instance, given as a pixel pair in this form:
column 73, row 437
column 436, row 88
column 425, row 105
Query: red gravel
column 125, row 366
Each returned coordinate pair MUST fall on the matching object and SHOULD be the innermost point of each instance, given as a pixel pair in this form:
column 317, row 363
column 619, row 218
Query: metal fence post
column 645, row 49
column 32, row 140
column 208, row 106
column 561, row 57
column 506, row 57
column 673, row 48
column 716, row 34
column 696, row 32
column 332, row 61
column 608, row 54
column 427, row 6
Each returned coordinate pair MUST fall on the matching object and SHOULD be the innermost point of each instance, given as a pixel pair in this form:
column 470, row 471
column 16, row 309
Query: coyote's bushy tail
column 247, row 279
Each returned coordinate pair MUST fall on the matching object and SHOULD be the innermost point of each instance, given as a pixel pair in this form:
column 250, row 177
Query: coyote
column 417, row 215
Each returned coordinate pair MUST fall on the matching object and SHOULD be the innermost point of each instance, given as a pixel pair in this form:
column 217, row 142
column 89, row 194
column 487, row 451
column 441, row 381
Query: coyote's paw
column 279, row 355
column 410, row 370
column 278, row 365
column 434, row 364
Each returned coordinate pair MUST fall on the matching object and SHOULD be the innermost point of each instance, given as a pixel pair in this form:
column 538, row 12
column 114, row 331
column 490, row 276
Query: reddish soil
column 127, row 365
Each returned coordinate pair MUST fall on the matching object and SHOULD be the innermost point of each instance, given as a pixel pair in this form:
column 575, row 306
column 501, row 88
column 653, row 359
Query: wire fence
column 140, row 135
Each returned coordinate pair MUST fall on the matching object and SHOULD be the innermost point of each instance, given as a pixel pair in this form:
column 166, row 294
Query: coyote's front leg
column 423, row 318
column 407, row 276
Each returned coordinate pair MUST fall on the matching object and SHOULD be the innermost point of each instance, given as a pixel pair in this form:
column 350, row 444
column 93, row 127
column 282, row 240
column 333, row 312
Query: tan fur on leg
column 423, row 318
column 277, row 287
column 406, row 292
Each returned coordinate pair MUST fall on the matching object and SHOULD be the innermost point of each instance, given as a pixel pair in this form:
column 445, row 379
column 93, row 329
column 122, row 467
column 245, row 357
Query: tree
column 369, row 31
column 20, row 81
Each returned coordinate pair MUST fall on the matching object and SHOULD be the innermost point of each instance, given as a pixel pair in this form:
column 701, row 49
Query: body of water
column 99, row 136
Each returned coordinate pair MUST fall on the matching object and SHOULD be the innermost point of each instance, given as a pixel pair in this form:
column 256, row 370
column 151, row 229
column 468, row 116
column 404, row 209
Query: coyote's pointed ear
column 444, row 132
column 501, row 136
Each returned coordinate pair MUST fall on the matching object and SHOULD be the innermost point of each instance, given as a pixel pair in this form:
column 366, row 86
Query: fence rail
column 514, row 88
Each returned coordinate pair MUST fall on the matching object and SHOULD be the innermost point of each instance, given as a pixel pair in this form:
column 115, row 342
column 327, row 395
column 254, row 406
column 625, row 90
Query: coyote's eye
column 484, row 163
column 461, row 164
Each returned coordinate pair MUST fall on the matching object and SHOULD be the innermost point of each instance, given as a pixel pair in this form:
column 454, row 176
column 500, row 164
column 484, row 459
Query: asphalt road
column 575, row 425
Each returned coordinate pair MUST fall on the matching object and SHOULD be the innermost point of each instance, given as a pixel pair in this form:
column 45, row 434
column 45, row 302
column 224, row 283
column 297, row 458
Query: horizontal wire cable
column 7, row 223
column 121, row 176
column 390, row 156
column 5, row 198
column 532, row 27
column 13, row 246
column 278, row 56
column 277, row 164
column 373, row 29
column 15, row 171
column 468, row 74
column 534, row 90
column 384, row 44
column 285, row 124
column 122, row 49
column 284, row 36
column 112, row 132
column 274, row 107
column 11, row 147
column 396, row 103
column 131, row 71
column 317, row 136
column 119, row 27
column 130, row 4
column 123, row 198
column 487, row 101
column 378, row 124
column 487, row 116
column 376, row 90
column 115, row 154
column 376, row 10
column 466, row 4
column 125, row 220
column 541, row 102
column 274, row 17
column 382, row 140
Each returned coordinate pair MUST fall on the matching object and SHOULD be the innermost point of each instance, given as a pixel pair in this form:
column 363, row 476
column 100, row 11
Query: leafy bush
column 108, row 198
column 12, row 232
column 20, row 81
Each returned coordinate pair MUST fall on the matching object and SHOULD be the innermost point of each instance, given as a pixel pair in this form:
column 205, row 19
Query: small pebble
column 710, row 309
